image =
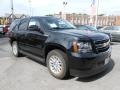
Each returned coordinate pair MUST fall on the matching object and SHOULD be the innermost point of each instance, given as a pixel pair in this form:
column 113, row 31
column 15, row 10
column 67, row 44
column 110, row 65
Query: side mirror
column 34, row 28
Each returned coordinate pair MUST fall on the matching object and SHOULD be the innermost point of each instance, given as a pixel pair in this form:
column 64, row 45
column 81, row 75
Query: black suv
column 64, row 49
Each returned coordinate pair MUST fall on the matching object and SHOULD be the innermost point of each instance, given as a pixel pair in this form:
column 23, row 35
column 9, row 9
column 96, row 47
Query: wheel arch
column 12, row 40
column 52, row 46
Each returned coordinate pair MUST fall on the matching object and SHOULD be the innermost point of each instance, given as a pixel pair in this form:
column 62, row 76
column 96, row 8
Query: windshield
column 56, row 23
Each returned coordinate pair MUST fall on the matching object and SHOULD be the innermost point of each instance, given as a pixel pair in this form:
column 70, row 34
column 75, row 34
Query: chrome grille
column 101, row 46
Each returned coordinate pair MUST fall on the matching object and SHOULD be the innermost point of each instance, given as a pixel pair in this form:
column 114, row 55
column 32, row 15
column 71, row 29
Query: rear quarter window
column 14, row 24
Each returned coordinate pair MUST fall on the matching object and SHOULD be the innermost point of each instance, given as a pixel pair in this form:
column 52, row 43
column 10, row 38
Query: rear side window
column 14, row 24
column 23, row 24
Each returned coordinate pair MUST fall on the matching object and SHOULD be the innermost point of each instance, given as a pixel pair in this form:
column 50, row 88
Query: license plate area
column 107, row 60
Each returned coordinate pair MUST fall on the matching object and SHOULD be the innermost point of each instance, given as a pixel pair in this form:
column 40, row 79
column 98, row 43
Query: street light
column 64, row 3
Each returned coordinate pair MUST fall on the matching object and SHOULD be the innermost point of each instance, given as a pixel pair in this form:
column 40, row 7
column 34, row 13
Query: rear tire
column 15, row 49
column 57, row 63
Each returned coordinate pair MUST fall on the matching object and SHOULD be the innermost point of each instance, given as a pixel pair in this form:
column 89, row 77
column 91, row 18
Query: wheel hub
column 55, row 64
column 14, row 49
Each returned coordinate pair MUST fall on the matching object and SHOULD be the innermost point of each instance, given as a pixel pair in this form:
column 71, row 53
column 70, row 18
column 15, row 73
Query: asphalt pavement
column 26, row 74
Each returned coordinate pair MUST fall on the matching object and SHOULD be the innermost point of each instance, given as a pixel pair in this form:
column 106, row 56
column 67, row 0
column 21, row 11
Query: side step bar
column 33, row 56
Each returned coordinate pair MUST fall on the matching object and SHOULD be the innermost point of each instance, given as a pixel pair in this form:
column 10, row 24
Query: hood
column 96, row 36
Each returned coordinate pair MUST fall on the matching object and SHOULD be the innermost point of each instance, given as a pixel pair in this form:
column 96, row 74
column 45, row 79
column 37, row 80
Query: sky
column 43, row 7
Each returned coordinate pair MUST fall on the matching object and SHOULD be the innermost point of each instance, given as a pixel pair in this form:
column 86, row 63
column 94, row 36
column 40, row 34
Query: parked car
column 1, row 29
column 113, row 30
column 86, row 27
column 4, row 29
column 65, row 50
column 91, row 28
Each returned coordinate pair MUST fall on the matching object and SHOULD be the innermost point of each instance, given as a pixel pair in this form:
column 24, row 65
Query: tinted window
column 23, row 24
column 14, row 24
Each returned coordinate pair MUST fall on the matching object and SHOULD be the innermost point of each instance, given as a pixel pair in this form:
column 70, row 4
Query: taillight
column 5, row 29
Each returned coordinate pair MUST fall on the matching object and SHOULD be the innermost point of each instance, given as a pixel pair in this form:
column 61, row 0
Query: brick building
column 85, row 19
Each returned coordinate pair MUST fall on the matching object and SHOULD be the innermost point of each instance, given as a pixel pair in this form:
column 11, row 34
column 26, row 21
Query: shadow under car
column 99, row 75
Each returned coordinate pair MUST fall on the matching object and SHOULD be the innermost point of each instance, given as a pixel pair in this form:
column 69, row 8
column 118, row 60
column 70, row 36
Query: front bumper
column 85, row 65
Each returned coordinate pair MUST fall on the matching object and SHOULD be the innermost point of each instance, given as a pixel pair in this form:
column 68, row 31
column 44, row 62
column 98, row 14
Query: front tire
column 57, row 64
column 15, row 49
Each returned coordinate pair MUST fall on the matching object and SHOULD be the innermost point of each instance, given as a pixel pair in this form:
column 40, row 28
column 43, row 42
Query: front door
column 36, row 39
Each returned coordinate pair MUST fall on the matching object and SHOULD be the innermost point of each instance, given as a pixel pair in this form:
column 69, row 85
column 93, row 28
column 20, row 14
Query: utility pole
column 12, row 10
column 96, row 16
column 64, row 12
column 30, row 9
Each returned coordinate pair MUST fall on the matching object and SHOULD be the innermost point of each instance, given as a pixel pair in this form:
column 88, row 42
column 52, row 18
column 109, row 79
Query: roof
column 41, row 16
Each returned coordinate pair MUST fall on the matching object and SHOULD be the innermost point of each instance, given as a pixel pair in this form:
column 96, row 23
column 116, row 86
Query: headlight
column 81, row 47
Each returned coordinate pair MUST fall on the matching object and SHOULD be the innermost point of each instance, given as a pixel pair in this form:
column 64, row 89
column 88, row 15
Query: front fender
column 61, row 40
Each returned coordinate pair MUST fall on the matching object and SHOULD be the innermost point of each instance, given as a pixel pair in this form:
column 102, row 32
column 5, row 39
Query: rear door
column 21, row 34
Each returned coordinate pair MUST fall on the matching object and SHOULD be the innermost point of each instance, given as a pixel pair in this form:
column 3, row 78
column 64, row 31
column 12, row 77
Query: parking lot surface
column 25, row 74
